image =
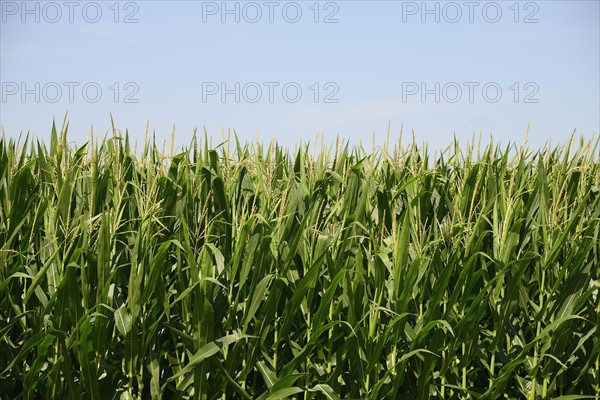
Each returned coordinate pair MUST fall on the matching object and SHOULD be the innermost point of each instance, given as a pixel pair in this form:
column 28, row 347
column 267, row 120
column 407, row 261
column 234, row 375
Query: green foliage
column 265, row 274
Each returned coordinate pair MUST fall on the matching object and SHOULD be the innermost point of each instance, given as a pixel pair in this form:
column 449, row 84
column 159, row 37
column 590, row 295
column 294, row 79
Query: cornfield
column 251, row 271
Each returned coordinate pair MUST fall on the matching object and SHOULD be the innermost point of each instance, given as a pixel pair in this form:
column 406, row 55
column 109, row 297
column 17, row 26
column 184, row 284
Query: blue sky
column 489, row 67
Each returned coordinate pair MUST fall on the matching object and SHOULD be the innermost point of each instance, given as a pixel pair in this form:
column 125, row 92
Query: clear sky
column 290, row 70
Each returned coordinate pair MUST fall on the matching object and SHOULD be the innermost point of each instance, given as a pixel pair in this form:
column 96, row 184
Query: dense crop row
column 247, row 272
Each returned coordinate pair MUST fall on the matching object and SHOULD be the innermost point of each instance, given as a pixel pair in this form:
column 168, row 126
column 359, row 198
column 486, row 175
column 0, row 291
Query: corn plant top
column 254, row 272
